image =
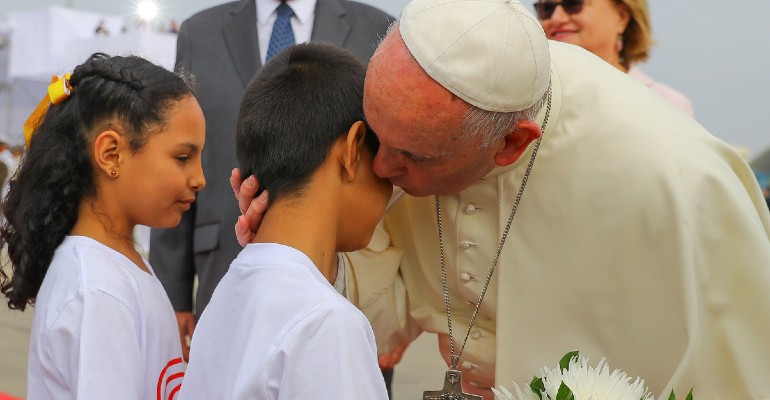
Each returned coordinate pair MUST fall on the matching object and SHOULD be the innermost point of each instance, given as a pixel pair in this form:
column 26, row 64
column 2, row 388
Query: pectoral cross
column 452, row 389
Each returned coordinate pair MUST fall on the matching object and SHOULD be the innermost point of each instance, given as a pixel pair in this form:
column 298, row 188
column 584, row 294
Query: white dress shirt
column 301, row 21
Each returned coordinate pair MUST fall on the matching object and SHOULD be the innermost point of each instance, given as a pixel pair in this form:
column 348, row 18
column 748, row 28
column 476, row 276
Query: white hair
column 492, row 126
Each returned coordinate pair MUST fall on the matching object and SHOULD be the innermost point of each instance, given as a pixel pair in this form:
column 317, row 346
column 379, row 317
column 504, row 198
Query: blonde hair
column 637, row 38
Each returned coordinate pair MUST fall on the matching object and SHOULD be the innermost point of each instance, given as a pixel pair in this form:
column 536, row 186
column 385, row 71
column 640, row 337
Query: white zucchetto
column 491, row 53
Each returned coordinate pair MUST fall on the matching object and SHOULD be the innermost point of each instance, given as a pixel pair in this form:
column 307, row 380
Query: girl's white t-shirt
column 103, row 329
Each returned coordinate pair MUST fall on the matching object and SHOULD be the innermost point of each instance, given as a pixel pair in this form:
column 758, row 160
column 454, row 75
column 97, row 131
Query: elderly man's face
column 419, row 125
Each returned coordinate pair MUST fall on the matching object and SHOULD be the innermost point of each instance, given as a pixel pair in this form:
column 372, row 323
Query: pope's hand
column 186, row 322
column 252, row 208
column 389, row 360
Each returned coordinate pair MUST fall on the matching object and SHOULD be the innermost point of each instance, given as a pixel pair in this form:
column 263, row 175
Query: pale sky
column 715, row 52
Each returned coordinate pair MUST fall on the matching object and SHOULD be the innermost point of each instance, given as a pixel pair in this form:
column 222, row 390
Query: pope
column 552, row 204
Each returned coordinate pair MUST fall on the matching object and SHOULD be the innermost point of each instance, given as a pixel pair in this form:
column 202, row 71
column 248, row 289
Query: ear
column 624, row 16
column 353, row 145
column 107, row 149
column 516, row 142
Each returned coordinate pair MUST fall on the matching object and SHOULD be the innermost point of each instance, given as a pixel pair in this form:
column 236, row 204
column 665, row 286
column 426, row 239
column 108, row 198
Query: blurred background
column 717, row 53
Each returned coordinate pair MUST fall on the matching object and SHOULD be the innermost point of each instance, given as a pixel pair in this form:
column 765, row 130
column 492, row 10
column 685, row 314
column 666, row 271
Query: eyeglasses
column 545, row 9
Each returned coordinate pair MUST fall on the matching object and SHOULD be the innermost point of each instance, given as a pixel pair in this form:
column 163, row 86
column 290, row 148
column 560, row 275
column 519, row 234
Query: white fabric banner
column 35, row 45
column 43, row 40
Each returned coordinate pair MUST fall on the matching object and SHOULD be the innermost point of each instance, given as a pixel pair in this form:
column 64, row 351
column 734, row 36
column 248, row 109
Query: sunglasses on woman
column 545, row 9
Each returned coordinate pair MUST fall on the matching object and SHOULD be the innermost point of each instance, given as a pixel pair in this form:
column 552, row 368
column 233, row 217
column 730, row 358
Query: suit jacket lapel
column 241, row 39
column 330, row 24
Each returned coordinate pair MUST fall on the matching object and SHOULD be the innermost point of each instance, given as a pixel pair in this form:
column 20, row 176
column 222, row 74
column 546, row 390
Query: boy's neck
column 308, row 225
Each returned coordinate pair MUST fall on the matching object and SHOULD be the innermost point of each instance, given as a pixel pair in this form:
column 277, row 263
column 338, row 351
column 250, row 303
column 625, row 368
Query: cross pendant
column 452, row 389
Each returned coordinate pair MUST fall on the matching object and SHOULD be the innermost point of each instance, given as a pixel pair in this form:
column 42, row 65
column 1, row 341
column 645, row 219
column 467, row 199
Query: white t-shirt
column 277, row 329
column 103, row 329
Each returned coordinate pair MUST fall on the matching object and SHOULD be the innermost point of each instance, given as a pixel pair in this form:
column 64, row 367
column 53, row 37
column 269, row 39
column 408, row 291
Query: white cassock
column 640, row 237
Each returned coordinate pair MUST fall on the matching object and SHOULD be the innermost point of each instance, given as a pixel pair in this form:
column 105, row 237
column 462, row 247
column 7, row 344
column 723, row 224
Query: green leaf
column 537, row 386
column 672, row 396
column 564, row 363
column 564, row 393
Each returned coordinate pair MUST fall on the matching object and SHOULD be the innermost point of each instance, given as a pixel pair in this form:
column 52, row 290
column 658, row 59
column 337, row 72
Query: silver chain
column 456, row 358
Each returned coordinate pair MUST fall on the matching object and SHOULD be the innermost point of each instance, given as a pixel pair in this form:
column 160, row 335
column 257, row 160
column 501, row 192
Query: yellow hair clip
column 58, row 91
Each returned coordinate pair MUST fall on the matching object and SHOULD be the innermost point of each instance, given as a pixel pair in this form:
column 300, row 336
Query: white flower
column 585, row 382
column 526, row 394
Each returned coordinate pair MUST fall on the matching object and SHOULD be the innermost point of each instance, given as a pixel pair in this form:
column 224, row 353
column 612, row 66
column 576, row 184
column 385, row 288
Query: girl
column 120, row 145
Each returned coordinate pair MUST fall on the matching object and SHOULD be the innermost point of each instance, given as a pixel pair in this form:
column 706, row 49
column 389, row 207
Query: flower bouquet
column 575, row 379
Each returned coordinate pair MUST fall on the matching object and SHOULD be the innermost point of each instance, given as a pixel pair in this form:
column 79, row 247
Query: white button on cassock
column 465, row 277
column 470, row 209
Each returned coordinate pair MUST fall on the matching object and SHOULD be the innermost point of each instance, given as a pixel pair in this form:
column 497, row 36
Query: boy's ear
column 516, row 142
column 107, row 149
column 353, row 145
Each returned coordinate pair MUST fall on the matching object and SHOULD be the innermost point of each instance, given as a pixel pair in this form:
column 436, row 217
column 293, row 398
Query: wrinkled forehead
column 395, row 78
column 405, row 107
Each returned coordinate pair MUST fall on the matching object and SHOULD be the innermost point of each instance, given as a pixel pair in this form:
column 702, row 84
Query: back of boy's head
column 129, row 95
column 294, row 110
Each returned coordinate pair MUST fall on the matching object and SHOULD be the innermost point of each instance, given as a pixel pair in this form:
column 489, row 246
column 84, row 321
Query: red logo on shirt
column 170, row 379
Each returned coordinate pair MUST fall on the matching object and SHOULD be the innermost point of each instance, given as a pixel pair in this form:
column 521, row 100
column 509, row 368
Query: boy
column 275, row 326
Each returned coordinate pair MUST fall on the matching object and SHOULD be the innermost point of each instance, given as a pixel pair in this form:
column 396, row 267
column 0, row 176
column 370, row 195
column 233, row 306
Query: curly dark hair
column 42, row 204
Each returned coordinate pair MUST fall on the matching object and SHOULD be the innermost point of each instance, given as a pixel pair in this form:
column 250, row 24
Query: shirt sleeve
column 374, row 284
column 329, row 354
column 94, row 346
column 725, row 257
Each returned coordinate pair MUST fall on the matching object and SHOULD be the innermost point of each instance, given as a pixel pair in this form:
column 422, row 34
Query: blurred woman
column 618, row 31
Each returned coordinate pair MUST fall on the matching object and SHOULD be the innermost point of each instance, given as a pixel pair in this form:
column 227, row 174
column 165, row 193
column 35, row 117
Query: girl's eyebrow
column 194, row 148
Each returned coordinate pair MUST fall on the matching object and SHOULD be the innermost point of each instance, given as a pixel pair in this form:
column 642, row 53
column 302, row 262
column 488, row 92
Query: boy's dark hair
column 294, row 110
column 56, row 173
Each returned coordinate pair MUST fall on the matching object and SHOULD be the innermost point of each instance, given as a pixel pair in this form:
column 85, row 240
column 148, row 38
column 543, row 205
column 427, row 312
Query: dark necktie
column 282, row 36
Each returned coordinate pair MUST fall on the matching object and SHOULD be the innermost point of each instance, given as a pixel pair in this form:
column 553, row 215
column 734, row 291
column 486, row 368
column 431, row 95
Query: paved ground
column 14, row 341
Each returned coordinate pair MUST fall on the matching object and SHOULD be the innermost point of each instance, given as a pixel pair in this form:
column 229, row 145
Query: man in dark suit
column 223, row 47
